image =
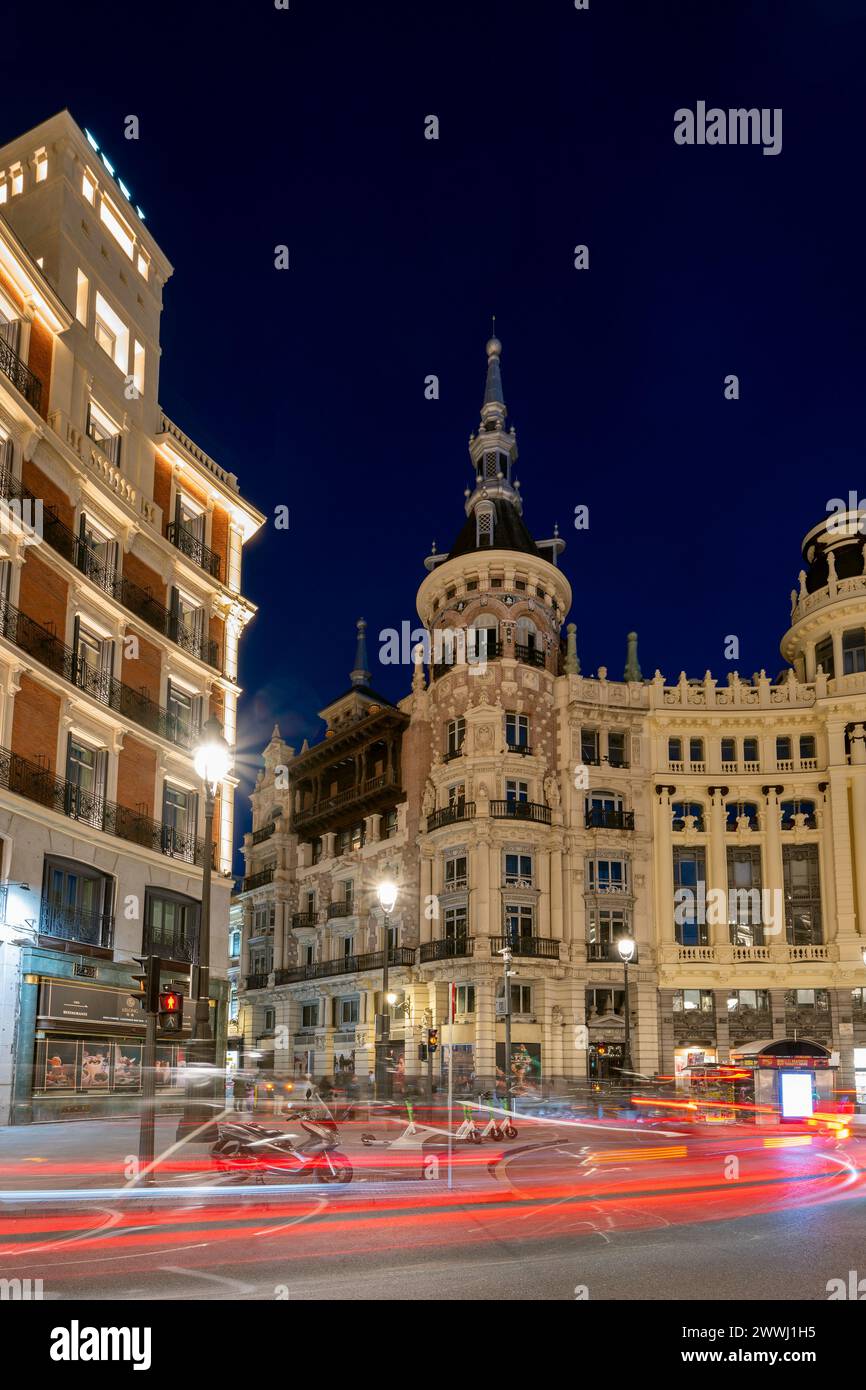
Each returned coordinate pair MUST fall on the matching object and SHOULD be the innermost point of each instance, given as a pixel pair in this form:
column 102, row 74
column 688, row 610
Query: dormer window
column 484, row 519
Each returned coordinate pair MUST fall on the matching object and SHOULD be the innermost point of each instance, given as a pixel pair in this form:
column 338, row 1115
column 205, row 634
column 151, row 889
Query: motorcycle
column 249, row 1150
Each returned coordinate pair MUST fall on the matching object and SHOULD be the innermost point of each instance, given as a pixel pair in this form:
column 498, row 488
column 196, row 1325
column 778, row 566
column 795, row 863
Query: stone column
column 479, row 883
column 544, row 892
column 773, row 877
column 425, row 920
column 556, row 912
column 485, row 1030
column 664, row 866
column 717, row 867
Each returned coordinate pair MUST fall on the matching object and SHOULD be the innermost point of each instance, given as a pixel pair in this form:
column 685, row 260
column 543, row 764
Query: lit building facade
column 719, row 823
column 122, row 610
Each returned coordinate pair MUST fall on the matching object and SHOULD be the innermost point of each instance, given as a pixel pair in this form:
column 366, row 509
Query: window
column 94, row 661
column 675, row 750
column 457, row 795
column 690, row 885
column 270, row 1020
column 681, row 809
column 603, row 809
column 616, row 749
column 790, row 809
column 750, row 750
column 465, row 999
column 749, row 1001
column 607, row 876
column 184, row 709
column 484, row 524
column 111, row 218
column 696, row 750
column 263, row 919
column 171, row 923
column 103, row 431
column 693, row 1001
column 310, row 1015
column 138, row 367
column 783, row 750
column 729, row 750
column 17, row 174
column 143, row 265
column 736, row 810
column 807, row 747
column 179, row 808
column 853, row 651
column 76, row 902
column 455, row 732
column 605, row 925
column 86, row 769
column 41, row 166
column 517, row 730
column 81, row 293
column 516, row 791
column 802, row 881
column 455, row 872
column 824, row 657
column 455, row 923
column 481, row 640
column 518, row 870
column 745, row 898
column 309, row 953
column 190, row 516
column 389, row 825
column 187, row 622
column 234, row 1002
column 521, row 998
column 519, row 921
column 815, row 999
column 10, row 324
column 347, row 1011
column 112, row 334
column 88, row 187
column 234, row 943
column 589, row 746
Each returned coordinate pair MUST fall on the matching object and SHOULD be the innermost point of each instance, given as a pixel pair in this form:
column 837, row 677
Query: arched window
column 853, row 651
column 481, row 642
column 484, row 524
column 790, row 809
column 604, row 811
column 736, row 809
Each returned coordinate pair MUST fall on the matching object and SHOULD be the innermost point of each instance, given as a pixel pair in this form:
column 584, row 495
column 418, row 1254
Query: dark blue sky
column 305, row 127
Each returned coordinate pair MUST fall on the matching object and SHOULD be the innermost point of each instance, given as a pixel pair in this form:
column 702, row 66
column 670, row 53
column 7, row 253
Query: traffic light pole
column 148, row 1101
column 384, row 1021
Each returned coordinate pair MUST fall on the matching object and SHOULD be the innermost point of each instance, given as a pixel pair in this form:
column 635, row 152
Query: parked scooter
column 249, row 1150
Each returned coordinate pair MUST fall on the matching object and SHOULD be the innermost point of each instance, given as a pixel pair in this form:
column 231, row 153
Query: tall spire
column 493, row 409
column 361, row 675
column 632, row 670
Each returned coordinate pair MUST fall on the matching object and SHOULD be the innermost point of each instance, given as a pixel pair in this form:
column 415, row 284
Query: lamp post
column 626, row 948
column 387, row 894
column 507, row 959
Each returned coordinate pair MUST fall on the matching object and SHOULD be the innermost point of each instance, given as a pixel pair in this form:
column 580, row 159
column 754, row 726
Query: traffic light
column 148, row 982
column 170, row 1010
column 433, row 1039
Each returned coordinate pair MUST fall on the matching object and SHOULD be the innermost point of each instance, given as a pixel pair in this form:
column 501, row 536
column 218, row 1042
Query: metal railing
column 521, row 810
column 599, row 818
column 542, row 947
column 347, row 965
column 447, row 815
column 524, row 749
column 344, row 908
column 448, row 949
column 305, row 919
column 76, row 924
column 607, row 951
column 188, row 543
column 20, row 375
column 264, row 832
column 258, row 880
column 39, row 784
column 531, row 655
column 31, row 637
column 259, row 981
column 345, row 797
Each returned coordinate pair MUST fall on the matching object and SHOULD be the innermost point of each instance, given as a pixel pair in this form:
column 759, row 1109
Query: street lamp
column 507, row 959
column 626, row 948
column 387, row 894
column 211, row 761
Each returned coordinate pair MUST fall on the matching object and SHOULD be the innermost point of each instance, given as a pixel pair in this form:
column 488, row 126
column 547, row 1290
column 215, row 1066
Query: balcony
column 263, row 833
column 305, row 919
column 521, row 810
column 358, row 793
column 194, row 549
column 75, row 924
column 522, row 748
column 607, row 951
column 340, row 909
column 40, row 785
column 449, row 949
column 491, row 650
column 530, row 655
column 347, row 965
column 20, row 375
column 541, row 947
column 452, row 754
column 258, row 880
column 598, row 818
column 447, row 815
column 45, row 647
column 259, row 981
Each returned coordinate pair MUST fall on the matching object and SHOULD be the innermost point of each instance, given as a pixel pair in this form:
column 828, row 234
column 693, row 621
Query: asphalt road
column 561, row 1214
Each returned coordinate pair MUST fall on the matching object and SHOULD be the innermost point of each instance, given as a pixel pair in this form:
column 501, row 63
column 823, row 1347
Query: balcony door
column 76, row 902
column 86, row 769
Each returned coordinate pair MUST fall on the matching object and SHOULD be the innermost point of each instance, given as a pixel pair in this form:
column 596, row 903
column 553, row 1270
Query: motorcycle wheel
column 341, row 1172
column 509, row 1132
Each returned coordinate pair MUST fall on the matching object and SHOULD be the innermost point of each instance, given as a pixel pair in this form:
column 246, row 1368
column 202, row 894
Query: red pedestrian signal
column 170, row 1010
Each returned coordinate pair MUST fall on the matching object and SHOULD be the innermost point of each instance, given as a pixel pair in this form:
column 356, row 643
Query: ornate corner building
column 722, row 825
column 120, row 616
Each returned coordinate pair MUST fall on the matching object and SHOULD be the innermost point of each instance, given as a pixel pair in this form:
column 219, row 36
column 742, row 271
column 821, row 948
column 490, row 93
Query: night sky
column 262, row 127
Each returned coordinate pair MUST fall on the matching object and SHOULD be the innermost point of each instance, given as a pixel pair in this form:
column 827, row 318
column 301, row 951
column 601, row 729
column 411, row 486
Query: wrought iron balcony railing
column 305, row 919
column 39, row 784
column 447, row 815
column 607, row 951
column 31, row 637
column 264, row 832
column 76, row 924
column 20, row 375
column 346, row 965
column 530, row 655
column 194, row 549
column 448, row 949
column 521, row 810
column 341, row 909
column 600, row 818
column 258, row 880
column 259, row 981
column 542, row 947
column 522, row 748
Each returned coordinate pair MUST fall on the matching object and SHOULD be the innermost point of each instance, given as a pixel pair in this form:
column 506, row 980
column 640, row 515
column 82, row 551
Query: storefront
column 769, row 1082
